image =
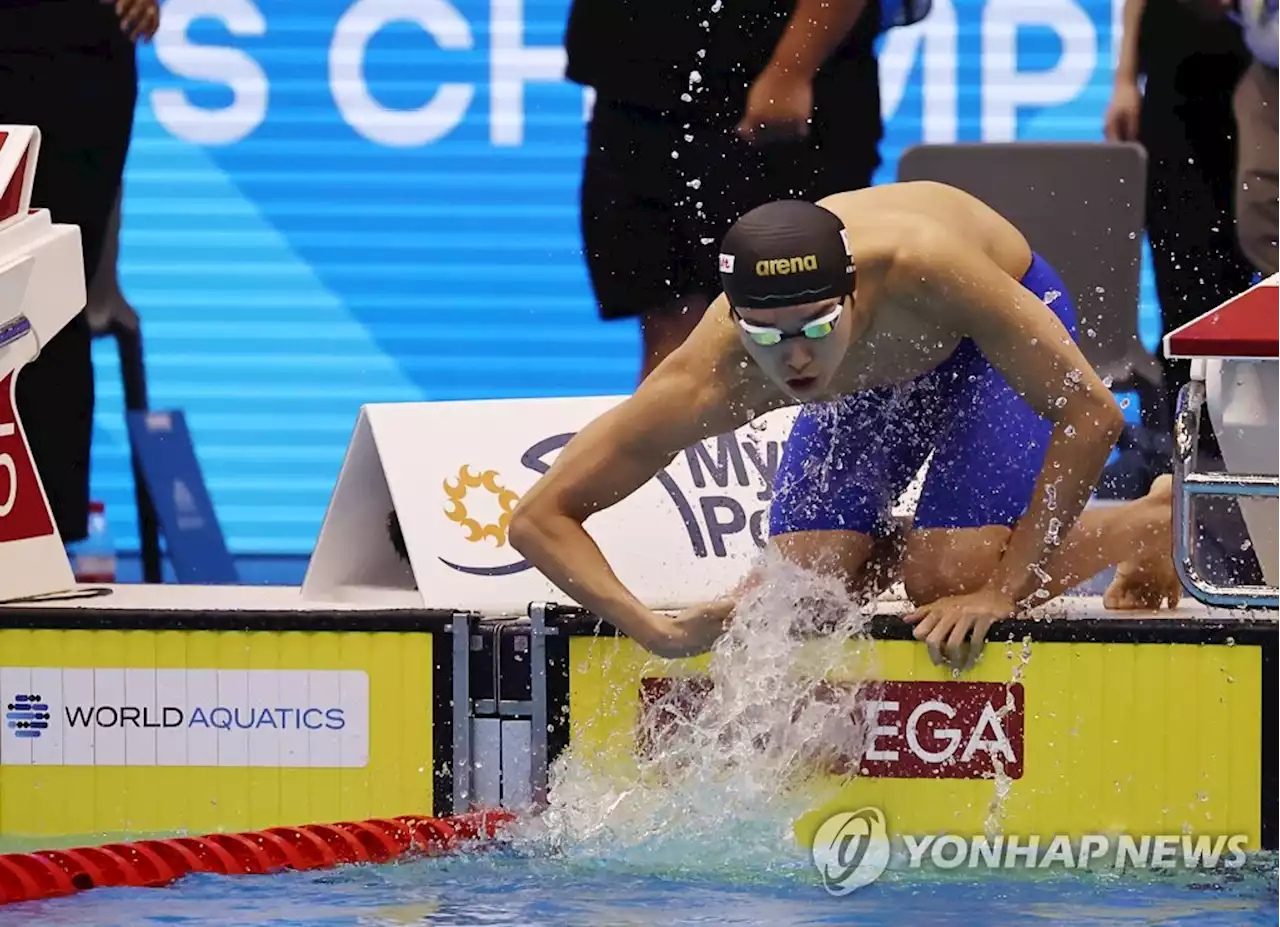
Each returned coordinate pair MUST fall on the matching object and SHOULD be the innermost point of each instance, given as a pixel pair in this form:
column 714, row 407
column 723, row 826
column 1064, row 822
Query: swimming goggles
column 768, row 336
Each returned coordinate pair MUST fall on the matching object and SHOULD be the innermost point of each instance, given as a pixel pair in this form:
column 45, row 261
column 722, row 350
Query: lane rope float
column 46, row 874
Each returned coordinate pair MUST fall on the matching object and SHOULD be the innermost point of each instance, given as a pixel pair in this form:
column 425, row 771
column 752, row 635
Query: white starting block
column 1233, row 350
column 42, row 287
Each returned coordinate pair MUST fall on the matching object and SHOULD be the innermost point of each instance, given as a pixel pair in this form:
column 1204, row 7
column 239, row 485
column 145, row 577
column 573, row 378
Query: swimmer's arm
column 679, row 404
column 963, row 289
column 815, row 30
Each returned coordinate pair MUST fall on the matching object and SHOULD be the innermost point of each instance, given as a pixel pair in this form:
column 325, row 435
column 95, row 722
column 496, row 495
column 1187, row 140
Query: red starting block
column 42, row 287
column 1235, row 356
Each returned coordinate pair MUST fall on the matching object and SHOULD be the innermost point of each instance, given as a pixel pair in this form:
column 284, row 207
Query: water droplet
column 706, row 241
column 695, row 184
column 686, row 98
column 688, row 137
column 695, row 77
column 1092, row 333
column 1099, row 289
column 1070, row 431
column 1060, row 401
column 1133, row 235
column 675, row 154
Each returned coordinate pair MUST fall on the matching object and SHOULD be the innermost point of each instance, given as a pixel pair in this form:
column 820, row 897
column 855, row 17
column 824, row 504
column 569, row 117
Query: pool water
column 503, row 887
column 700, row 834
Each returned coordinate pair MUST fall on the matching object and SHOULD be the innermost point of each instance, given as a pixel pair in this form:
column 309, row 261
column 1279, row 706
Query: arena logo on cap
column 775, row 267
column 726, row 493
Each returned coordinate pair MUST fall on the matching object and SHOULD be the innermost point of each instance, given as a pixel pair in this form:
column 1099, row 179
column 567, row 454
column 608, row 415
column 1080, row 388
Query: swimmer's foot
column 1149, row 579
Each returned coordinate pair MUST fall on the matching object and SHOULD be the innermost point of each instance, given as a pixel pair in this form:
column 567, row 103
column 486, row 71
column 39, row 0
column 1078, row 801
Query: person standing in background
column 1257, row 186
column 1183, row 117
column 69, row 68
column 703, row 111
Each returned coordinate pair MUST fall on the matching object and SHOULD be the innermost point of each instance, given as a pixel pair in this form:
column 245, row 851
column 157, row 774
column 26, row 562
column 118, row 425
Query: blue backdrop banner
column 336, row 202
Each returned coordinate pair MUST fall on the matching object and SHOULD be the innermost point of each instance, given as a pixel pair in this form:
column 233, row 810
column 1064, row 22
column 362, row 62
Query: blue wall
column 298, row 241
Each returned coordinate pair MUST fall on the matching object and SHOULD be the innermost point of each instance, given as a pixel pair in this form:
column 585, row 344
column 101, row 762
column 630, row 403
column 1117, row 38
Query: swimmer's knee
column 945, row 562
column 841, row 552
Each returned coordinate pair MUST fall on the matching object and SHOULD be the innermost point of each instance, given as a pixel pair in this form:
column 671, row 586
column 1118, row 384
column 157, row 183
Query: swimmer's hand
column 955, row 627
column 779, row 107
column 694, row 631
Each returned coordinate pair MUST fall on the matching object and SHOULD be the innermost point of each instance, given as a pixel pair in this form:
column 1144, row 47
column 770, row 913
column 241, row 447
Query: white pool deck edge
column 187, row 598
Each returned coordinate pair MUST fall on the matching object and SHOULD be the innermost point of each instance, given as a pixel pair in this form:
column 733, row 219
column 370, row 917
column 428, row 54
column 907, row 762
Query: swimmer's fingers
column 934, row 629
column 977, row 640
column 954, row 635
column 924, row 620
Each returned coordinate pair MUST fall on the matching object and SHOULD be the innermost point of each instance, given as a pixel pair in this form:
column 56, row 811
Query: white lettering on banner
column 9, row 498
column 511, row 66
column 1005, row 88
column 932, row 41
column 237, row 69
column 397, row 128
column 58, row 716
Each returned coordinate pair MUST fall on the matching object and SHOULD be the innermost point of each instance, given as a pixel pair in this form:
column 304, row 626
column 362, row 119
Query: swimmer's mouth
column 802, row 384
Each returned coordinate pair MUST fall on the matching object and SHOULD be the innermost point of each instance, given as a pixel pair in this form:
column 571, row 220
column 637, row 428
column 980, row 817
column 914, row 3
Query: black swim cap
column 785, row 253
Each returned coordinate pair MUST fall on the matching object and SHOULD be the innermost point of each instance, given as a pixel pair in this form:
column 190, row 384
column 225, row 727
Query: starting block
column 1233, row 350
column 42, row 287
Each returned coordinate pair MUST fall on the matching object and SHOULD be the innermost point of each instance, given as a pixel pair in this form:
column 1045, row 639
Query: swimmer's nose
column 798, row 358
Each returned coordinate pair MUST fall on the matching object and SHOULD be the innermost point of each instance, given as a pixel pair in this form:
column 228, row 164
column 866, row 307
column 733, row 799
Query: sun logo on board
column 456, row 509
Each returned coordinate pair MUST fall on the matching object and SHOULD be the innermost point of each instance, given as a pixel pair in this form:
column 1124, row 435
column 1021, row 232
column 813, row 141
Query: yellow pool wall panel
column 1142, row 738
column 240, row 770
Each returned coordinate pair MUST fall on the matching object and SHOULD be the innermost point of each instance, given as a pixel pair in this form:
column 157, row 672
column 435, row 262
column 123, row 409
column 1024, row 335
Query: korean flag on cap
column 726, row 263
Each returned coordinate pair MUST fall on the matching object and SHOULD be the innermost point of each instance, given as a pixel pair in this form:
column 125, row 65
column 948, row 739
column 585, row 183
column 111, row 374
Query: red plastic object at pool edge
column 152, row 863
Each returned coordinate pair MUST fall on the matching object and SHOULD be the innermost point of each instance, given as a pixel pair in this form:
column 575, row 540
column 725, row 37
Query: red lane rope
column 151, row 863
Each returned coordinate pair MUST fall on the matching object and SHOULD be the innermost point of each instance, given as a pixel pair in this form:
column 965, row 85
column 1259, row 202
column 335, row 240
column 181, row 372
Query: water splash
column 737, row 764
column 993, row 825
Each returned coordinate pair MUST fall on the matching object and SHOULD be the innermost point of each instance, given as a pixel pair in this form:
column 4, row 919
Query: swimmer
column 905, row 319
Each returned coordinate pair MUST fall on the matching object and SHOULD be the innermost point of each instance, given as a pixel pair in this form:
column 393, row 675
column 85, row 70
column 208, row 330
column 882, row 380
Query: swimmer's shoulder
column 715, row 348
column 908, row 197
column 922, row 224
column 714, row 361
column 707, row 386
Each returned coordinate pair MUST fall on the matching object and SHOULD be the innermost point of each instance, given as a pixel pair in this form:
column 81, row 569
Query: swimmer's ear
column 396, row 536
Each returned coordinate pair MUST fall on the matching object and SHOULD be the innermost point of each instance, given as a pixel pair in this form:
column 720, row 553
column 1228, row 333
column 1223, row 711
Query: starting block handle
column 1187, row 482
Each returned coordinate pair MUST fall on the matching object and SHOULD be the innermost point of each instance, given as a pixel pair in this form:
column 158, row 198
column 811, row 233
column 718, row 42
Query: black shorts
column 651, row 222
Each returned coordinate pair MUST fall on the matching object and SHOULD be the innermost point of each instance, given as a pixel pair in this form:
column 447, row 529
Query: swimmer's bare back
column 933, row 266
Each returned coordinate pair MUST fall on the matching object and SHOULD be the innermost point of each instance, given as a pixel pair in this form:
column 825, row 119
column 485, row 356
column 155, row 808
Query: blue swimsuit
column 848, row 461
